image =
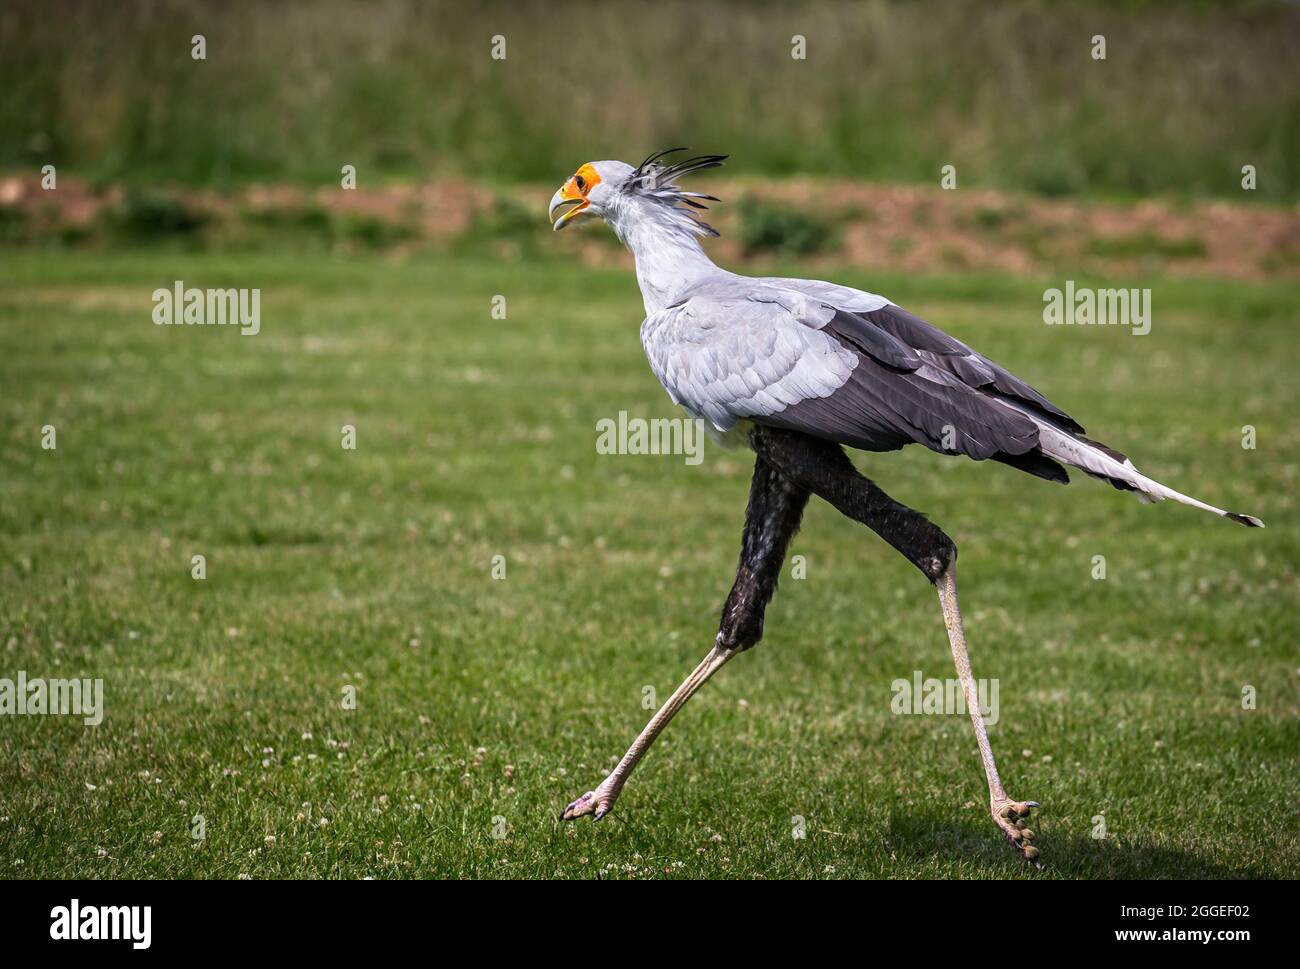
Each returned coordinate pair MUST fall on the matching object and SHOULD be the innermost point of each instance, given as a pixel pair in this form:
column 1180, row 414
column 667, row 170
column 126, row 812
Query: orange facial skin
column 576, row 189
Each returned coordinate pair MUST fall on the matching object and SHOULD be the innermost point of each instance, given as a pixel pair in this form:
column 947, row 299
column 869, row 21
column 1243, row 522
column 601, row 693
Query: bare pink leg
column 599, row 801
column 1008, row 814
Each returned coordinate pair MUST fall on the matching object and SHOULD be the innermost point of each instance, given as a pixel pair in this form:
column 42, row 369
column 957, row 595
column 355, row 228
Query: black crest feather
column 656, row 178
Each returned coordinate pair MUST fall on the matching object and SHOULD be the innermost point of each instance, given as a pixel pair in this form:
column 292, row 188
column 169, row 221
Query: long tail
column 1092, row 457
column 1108, row 464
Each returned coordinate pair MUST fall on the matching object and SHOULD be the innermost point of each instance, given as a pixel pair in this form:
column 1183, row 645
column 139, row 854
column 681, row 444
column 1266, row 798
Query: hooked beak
column 568, row 202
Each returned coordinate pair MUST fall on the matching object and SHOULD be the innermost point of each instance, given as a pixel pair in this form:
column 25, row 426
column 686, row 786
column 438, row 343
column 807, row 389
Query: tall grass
column 1008, row 93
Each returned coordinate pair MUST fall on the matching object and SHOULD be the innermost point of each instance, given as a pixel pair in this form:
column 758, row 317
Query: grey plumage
column 827, row 360
column 775, row 355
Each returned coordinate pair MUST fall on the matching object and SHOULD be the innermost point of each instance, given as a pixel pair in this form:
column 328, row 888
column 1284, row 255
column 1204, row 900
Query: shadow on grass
column 919, row 839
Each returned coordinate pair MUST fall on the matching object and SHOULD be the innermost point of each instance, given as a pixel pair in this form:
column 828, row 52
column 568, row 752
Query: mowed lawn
column 484, row 705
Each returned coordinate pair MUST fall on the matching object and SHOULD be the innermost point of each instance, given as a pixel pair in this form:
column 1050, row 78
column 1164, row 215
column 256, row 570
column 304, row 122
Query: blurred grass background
column 1188, row 93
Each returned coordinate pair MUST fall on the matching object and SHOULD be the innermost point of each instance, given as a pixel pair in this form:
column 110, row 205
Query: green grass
column 1009, row 94
column 370, row 568
column 1145, row 245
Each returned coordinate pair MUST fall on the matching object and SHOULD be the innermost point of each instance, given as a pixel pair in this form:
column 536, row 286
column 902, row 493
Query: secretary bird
column 795, row 368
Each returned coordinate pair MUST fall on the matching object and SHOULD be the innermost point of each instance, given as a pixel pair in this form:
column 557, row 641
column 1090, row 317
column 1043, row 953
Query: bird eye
column 580, row 182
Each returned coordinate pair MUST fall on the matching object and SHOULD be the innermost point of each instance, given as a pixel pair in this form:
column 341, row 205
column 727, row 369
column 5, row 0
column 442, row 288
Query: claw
column 575, row 808
column 1010, row 816
column 596, row 803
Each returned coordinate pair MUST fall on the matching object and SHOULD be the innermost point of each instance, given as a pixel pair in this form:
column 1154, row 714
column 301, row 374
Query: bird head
column 589, row 190
column 604, row 188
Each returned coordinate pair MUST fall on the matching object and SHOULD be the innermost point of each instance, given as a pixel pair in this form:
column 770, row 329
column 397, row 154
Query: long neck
column 666, row 247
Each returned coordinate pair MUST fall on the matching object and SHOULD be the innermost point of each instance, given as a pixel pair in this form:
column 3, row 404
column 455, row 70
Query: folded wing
column 854, row 368
column 841, row 365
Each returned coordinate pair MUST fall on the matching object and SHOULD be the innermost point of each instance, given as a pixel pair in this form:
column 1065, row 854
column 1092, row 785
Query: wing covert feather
column 843, row 365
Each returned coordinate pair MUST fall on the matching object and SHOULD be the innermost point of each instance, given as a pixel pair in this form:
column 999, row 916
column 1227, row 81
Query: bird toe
column 596, row 803
column 1009, row 816
column 576, row 809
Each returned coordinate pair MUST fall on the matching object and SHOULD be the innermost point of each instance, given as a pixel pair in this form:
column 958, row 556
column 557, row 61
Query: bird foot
column 1010, row 817
column 597, row 802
